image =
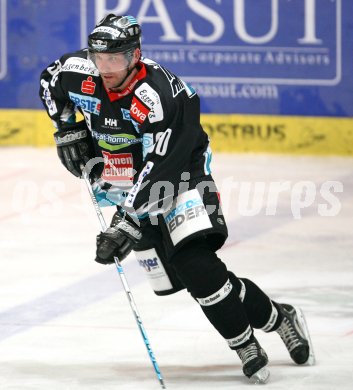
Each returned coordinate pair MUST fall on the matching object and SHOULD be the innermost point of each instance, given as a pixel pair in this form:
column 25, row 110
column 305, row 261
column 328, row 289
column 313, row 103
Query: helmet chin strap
column 128, row 73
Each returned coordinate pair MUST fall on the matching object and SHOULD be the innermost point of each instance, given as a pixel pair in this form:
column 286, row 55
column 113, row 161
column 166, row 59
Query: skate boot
column 295, row 335
column 254, row 360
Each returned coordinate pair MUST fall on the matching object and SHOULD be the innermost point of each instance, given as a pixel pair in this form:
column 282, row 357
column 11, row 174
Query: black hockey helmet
column 115, row 34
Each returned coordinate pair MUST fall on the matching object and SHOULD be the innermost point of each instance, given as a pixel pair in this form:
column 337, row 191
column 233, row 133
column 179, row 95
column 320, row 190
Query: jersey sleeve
column 171, row 135
column 58, row 106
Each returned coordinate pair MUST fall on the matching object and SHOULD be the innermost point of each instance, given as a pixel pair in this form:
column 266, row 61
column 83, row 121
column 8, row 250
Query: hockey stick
column 124, row 283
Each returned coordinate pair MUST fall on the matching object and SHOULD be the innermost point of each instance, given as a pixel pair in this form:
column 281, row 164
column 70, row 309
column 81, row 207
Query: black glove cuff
column 130, row 231
column 69, row 137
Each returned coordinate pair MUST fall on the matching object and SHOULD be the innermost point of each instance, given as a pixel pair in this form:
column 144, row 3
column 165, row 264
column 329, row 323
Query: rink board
column 228, row 133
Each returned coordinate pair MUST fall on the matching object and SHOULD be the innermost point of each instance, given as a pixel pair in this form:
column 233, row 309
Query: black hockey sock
column 229, row 318
column 206, row 278
column 261, row 311
column 279, row 317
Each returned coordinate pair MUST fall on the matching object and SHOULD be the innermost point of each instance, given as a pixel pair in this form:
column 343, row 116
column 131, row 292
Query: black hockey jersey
column 146, row 136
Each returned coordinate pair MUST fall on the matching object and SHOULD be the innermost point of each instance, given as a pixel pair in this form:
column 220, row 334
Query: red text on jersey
column 138, row 111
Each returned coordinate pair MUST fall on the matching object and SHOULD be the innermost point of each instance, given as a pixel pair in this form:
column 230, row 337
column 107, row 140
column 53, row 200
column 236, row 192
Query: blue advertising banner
column 276, row 57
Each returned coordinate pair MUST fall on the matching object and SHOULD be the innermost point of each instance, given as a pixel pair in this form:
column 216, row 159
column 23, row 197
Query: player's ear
column 137, row 55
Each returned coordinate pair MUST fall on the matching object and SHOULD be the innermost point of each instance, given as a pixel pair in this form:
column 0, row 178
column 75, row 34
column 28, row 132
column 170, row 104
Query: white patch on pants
column 155, row 270
column 188, row 215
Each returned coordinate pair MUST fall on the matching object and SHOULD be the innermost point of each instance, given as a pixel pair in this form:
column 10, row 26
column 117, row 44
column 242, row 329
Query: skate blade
column 301, row 318
column 260, row 377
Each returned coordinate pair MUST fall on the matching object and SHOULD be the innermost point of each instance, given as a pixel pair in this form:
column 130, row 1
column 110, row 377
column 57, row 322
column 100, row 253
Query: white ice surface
column 65, row 322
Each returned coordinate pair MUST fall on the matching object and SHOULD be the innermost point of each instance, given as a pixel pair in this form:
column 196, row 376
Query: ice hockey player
column 149, row 156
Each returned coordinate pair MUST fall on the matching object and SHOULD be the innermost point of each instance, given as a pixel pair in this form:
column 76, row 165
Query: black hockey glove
column 74, row 145
column 118, row 240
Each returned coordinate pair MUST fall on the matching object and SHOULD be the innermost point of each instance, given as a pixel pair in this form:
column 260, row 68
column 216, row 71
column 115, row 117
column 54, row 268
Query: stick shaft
column 139, row 321
column 125, row 284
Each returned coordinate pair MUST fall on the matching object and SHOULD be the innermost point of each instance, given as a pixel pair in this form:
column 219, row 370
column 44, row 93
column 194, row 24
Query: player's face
column 113, row 67
column 110, row 62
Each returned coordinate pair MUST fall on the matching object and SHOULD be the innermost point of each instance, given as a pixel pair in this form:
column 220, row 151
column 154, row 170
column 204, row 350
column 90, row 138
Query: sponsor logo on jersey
column 127, row 117
column 79, row 65
column 118, row 167
column 188, row 216
column 115, row 142
column 147, row 95
column 87, row 103
column 88, row 86
column 110, row 122
column 138, row 111
column 151, row 99
column 126, row 114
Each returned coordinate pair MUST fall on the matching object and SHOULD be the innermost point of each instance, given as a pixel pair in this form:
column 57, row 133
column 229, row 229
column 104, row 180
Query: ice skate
column 295, row 335
column 254, row 361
